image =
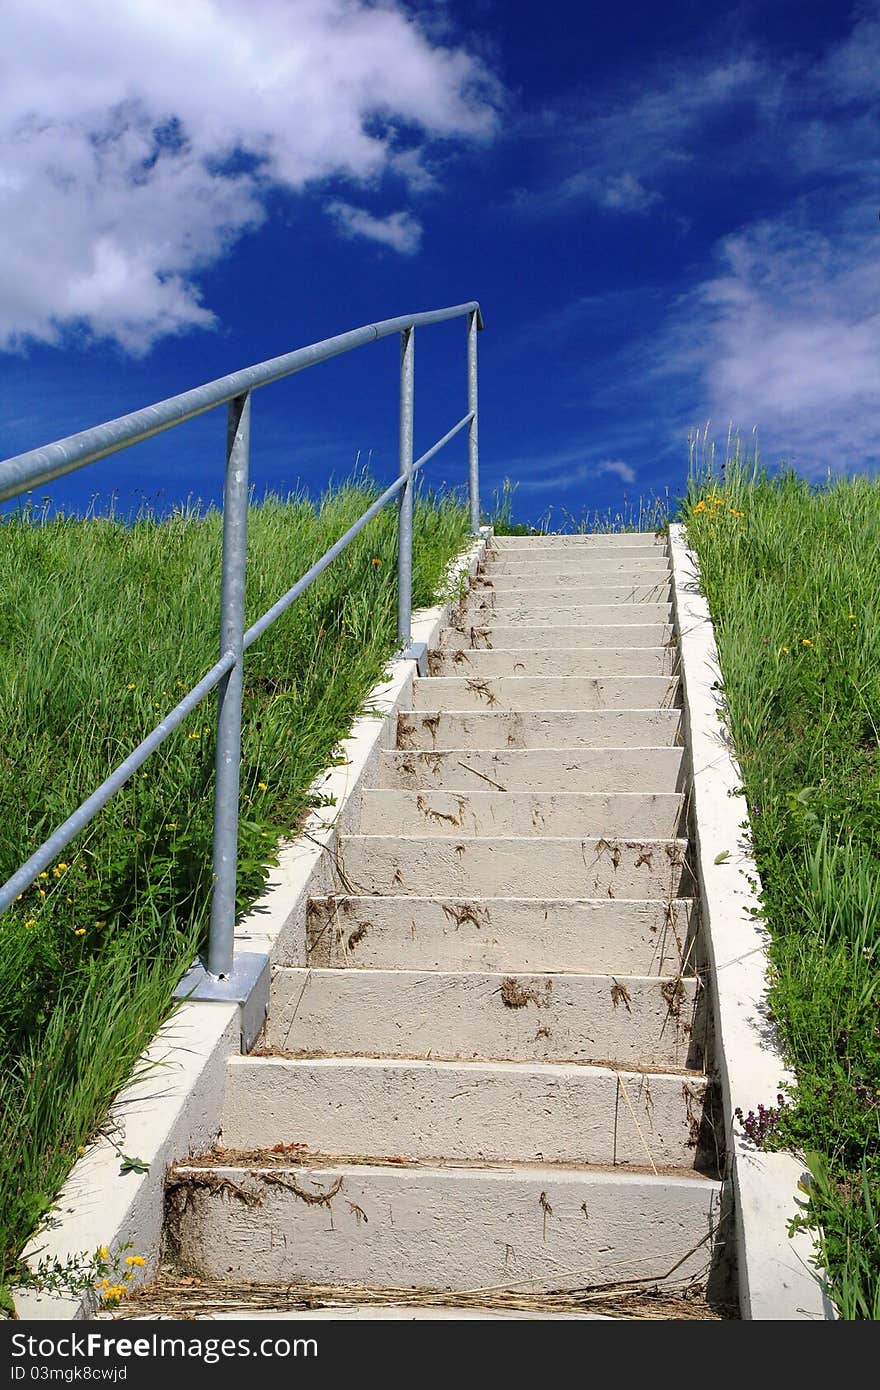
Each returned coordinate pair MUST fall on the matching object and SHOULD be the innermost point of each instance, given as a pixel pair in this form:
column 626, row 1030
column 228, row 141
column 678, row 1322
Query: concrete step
column 625, row 1020
column 554, row 615
column 546, row 692
column 655, row 815
column 611, row 538
column 403, row 1108
column 616, row 936
column 602, row 569
column 542, row 867
column 537, row 636
column 565, row 593
column 531, row 1226
column 568, row 662
column 603, row 545
column 485, row 729
column 546, row 580
column 537, row 770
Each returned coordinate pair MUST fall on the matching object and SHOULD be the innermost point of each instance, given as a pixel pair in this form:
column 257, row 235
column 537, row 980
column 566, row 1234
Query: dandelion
column 375, row 560
column 80, row 931
column 31, row 922
column 42, row 892
column 262, row 786
column 130, row 685
column 784, row 649
column 135, row 1260
column 805, row 642
column 43, row 874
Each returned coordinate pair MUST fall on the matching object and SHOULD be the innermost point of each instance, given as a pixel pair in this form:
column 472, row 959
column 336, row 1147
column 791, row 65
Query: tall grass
column 102, row 625
column 790, row 572
column 644, row 514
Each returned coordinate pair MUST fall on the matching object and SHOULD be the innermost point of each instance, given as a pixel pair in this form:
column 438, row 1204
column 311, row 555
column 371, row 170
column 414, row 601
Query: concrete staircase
column 492, row 1071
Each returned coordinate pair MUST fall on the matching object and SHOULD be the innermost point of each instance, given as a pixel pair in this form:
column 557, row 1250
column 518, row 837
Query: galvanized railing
column 225, row 974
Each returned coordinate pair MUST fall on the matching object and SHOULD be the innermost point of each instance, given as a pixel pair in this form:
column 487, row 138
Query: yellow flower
column 31, row 922
column 851, row 616
column 80, row 931
column 262, row 786
column 805, row 642
column 130, row 685
column 104, row 1254
column 375, row 560
column 43, row 874
column 135, row 1260
column 42, row 892
column 784, row 649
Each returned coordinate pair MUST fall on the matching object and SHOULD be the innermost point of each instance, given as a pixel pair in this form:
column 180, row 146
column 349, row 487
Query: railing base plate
column 417, row 652
column 247, row 985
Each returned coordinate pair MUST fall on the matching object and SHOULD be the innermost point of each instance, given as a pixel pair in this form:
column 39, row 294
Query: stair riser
column 549, row 581
column 418, row 1110
column 545, row 770
column 385, row 812
column 601, row 569
column 619, row 937
column 562, row 615
column 582, row 540
column 517, row 1018
column 566, row 595
column 442, row 1228
column 533, row 729
column 547, row 693
column 508, row 867
column 572, row 664
column 536, row 636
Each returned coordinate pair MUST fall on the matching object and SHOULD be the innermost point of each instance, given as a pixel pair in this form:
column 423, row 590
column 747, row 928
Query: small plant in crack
column 758, row 1126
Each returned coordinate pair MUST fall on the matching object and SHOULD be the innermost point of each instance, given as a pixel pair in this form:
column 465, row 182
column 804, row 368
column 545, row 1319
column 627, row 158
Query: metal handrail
column 37, row 466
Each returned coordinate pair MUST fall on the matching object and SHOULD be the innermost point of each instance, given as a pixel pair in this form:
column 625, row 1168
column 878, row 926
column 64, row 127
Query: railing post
column 228, row 755
column 473, row 431
column 405, row 510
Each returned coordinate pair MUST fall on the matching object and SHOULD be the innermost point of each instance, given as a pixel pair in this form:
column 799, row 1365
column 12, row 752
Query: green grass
column 646, row 514
column 102, row 626
column 790, row 572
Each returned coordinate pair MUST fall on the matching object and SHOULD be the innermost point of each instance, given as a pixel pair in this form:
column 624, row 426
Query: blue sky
column 669, row 214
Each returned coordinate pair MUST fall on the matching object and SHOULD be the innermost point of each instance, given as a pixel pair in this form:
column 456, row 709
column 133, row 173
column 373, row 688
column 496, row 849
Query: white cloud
column 399, row 230
column 786, row 337
column 564, row 468
column 615, row 150
column 624, row 471
column 141, row 140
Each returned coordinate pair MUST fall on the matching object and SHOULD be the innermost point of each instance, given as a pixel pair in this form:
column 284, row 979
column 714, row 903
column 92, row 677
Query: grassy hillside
column 102, row 626
column 790, row 572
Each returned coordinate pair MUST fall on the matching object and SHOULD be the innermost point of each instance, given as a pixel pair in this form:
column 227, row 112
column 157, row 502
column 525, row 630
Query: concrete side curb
column 171, row 1110
column 777, row 1275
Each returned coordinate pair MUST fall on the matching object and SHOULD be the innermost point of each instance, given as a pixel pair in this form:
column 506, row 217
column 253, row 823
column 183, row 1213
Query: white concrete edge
column 777, row 1273
column 173, row 1104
